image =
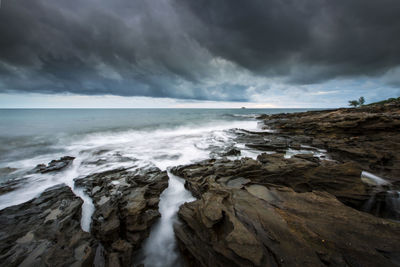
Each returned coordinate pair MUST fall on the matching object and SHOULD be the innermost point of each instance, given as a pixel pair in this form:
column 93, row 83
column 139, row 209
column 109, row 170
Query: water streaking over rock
column 372, row 179
column 160, row 248
column 384, row 200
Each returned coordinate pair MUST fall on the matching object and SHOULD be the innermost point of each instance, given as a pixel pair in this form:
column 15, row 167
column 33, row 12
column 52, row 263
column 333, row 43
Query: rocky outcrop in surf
column 126, row 206
column 8, row 184
column 54, row 165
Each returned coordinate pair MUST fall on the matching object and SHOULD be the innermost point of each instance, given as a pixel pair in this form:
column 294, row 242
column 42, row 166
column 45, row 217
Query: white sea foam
column 159, row 249
column 161, row 148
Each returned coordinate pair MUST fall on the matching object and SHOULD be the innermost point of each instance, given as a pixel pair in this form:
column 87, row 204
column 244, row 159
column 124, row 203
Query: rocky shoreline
column 324, row 190
column 292, row 208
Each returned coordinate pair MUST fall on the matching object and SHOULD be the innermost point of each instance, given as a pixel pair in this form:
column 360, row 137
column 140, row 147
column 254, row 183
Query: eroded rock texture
column 368, row 135
column 46, row 231
column 54, row 165
column 281, row 212
column 126, row 206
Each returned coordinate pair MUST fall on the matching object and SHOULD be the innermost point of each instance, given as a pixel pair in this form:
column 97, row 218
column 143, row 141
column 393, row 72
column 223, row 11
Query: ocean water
column 104, row 139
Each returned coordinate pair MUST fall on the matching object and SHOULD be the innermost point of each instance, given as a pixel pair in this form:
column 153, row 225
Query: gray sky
column 198, row 53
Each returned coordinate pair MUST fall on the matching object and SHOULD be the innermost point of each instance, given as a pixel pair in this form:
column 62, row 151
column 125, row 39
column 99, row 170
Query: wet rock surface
column 126, row 206
column 54, row 165
column 281, row 212
column 46, row 231
column 11, row 184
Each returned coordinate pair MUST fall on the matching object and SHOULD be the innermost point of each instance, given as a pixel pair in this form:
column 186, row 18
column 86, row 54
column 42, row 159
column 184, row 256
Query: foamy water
column 159, row 249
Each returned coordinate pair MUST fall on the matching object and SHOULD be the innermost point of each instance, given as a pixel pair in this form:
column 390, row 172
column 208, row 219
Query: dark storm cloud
column 166, row 48
column 277, row 37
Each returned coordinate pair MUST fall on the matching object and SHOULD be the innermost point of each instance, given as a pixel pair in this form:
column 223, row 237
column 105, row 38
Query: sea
column 105, row 139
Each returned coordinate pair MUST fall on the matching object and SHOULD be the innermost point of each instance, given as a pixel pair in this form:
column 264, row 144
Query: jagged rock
column 46, row 231
column 277, row 215
column 126, row 206
column 54, row 165
column 12, row 184
column 232, row 152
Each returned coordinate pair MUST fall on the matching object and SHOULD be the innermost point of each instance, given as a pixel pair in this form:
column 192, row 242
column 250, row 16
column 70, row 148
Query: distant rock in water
column 54, row 165
column 6, row 171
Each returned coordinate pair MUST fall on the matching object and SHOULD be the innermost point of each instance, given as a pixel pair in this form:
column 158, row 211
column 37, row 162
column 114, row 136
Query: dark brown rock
column 281, row 212
column 46, row 231
column 303, row 173
column 369, row 136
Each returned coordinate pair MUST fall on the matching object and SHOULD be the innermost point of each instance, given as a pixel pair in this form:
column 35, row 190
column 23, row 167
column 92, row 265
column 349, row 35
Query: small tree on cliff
column 361, row 101
column 356, row 103
column 353, row 103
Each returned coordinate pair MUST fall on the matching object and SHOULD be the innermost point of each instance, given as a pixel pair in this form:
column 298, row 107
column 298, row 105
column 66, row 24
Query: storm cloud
column 203, row 49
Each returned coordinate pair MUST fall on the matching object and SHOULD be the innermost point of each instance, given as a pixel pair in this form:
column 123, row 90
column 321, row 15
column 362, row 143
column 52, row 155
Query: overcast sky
column 203, row 53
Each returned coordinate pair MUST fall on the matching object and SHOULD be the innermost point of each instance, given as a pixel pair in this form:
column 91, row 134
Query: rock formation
column 54, row 165
column 126, row 206
column 281, row 212
column 46, row 231
column 302, row 205
column 368, row 135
